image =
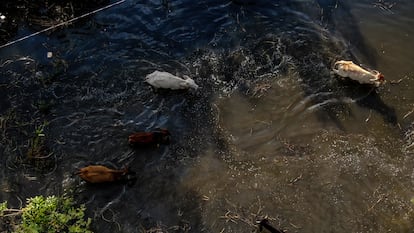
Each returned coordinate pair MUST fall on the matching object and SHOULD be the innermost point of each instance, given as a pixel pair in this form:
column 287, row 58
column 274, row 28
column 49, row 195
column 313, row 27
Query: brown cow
column 100, row 174
column 159, row 136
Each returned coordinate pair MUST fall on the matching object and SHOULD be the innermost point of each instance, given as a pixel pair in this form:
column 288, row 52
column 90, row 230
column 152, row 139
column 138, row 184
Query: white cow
column 159, row 79
column 357, row 73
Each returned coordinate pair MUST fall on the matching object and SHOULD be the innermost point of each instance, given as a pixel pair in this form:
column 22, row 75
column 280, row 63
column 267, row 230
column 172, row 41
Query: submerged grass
column 37, row 145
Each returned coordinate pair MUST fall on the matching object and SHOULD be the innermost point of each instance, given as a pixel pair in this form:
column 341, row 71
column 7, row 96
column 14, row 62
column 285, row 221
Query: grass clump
column 49, row 215
column 37, row 147
column 3, row 207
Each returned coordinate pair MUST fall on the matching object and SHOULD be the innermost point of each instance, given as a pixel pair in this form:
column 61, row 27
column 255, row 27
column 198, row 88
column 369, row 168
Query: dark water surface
column 270, row 133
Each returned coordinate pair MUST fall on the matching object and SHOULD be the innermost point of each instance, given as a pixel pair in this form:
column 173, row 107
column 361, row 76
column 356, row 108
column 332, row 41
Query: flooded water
column 271, row 133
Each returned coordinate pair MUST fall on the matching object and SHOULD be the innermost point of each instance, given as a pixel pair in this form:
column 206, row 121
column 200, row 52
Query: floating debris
column 383, row 5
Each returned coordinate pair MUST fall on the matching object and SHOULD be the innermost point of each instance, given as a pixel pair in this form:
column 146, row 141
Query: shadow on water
column 337, row 17
column 372, row 101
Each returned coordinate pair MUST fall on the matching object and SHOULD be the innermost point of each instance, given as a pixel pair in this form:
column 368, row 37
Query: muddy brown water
column 270, row 133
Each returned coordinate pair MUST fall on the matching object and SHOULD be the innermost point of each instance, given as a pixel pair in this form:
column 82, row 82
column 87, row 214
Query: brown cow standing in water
column 159, row 136
column 101, row 174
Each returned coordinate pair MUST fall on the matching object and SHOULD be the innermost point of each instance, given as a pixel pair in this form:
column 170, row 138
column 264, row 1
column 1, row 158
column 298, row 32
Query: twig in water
column 378, row 201
column 293, row 181
column 11, row 212
column 259, row 210
column 369, row 116
column 205, row 198
column 383, row 5
column 397, row 81
column 293, row 225
column 229, row 216
column 409, row 113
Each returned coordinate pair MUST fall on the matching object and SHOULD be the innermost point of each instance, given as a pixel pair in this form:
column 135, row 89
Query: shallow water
column 270, row 133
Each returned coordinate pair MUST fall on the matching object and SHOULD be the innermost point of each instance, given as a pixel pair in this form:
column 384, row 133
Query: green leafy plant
column 37, row 147
column 50, row 215
column 3, row 207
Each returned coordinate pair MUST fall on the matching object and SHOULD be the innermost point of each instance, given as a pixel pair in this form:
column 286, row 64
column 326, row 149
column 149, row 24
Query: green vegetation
column 37, row 144
column 3, row 207
column 49, row 215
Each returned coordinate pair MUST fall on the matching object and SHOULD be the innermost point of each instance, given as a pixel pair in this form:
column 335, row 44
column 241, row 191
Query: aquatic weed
column 37, row 143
